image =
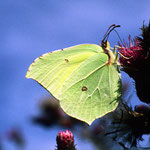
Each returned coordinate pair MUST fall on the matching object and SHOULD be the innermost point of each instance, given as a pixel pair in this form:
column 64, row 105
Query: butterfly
column 84, row 78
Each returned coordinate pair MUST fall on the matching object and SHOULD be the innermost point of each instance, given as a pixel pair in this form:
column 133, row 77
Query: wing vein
column 109, row 83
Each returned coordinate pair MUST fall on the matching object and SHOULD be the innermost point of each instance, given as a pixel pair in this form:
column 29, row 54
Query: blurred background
column 29, row 28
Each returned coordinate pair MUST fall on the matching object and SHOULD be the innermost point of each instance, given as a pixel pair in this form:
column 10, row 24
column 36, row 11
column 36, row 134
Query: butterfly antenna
column 106, row 35
column 119, row 37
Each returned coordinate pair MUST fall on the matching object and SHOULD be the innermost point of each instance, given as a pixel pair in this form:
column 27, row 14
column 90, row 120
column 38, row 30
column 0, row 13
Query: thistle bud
column 65, row 140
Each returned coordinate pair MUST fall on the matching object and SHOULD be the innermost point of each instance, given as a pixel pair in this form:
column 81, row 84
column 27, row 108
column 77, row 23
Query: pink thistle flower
column 132, row 56
column 65, row 140
column 135, row 61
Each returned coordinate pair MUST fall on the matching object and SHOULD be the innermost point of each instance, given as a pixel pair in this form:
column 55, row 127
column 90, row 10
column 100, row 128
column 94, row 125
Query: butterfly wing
column 80, row 79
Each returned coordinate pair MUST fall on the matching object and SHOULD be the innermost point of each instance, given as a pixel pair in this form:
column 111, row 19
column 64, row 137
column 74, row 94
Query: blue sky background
column 29, row 28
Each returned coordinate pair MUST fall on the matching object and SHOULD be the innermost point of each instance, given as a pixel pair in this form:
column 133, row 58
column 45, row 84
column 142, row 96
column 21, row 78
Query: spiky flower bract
column 145, row 38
